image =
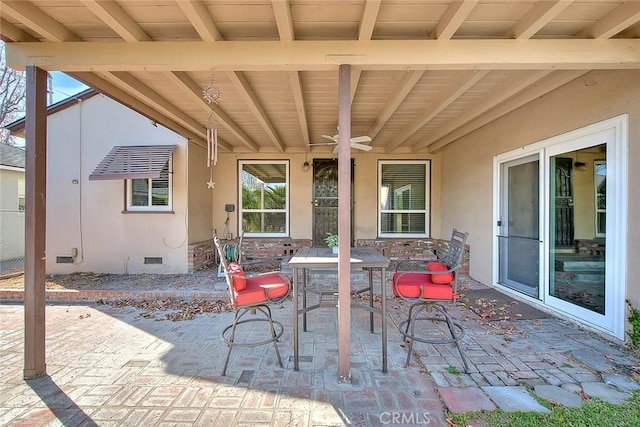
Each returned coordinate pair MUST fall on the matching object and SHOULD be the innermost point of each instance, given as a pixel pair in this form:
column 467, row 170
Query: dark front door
column 325, row 199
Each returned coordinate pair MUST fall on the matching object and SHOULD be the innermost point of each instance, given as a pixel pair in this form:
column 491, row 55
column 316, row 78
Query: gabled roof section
column 12, row 156
column 17, row 128
column 133, row 161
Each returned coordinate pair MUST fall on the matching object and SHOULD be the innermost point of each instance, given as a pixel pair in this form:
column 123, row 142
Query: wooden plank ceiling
column 425, row 72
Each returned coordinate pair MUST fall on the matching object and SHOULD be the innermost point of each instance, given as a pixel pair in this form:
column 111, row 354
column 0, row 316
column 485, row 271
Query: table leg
column 295, row 319
column 383, row 296
column 371, row 298
column 304, row 299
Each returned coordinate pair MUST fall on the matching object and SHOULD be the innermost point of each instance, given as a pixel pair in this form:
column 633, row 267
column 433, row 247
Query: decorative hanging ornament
column 212, row 148
column 211, row 93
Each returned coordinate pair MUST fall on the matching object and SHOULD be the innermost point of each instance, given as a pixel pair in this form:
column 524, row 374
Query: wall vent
column 153, row 260
column 64, row 260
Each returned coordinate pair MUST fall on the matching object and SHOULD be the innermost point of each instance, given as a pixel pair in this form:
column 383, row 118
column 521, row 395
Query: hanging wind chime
column 212, row 149
column 211, row 94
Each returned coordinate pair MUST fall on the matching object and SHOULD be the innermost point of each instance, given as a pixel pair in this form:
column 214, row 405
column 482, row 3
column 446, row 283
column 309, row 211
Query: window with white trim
column 264, row 198
column 403, row 194
column 21, row 195
column 151, row 194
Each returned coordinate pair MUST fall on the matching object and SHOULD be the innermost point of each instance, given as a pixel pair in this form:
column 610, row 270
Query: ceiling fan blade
column 323, row 143
column 360, row 146
column 363, row 138
column 329, row 137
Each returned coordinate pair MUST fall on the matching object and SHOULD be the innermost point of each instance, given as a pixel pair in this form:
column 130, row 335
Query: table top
column 322, row 257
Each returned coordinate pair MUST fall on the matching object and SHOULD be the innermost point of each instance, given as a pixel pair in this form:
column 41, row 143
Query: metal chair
column 427, row 290
column 251, row 295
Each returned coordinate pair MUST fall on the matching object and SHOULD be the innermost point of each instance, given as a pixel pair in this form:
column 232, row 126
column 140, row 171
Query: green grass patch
column 452, row 370
column 594, row 412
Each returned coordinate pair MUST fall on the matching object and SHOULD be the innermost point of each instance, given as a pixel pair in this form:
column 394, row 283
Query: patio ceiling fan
column 355, row 142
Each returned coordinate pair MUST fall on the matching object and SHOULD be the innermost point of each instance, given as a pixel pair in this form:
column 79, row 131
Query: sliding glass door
column 561, row 223
column 519, row 226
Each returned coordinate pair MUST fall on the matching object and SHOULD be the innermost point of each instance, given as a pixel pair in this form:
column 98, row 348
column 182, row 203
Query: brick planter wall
column 201, row 254
column 590, row 246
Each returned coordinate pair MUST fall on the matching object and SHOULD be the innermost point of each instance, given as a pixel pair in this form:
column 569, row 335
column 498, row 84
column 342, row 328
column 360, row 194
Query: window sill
column 147, row 212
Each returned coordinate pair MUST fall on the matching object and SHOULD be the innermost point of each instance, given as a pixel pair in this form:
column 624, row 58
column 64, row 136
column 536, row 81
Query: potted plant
column 332, row 241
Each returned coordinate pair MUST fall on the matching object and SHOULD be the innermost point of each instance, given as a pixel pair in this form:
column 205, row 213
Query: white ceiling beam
column 151, row 97
column 245, row 91
column 400, row 92
column 282, row 12
column 197, row 13
column 9, row 32
column 298, row 98
column 34, row 18
column 452, row 19
column 465, row 81
column 327, row 55
column 117, row 19
column 126, row 98
column 617, row 20
column 194, row 92
column 536, row 18
column 507, row 90
column 365, row 32
column 533, row 92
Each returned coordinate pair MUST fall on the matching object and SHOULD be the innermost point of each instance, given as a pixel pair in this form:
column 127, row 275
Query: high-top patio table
column 312, row 258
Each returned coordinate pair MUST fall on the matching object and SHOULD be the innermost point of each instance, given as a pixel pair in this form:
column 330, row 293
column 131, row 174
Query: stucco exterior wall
column 200, row 196
column 11, row 220
column 88, row 215
column 467, row 164
column 300, row 192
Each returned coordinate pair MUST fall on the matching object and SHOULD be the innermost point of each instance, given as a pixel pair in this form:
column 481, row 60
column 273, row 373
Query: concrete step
column 579, row 263
column 585, row 277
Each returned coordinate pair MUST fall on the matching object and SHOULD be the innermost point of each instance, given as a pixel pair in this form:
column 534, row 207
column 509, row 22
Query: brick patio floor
column 114, row 366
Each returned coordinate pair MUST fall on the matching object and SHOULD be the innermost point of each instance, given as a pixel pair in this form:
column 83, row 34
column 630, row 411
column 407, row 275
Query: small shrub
column 634, row 319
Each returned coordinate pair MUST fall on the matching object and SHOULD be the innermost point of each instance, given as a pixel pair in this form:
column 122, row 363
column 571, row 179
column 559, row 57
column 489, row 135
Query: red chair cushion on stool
column 238, row 276
column 408, row 285
column 254, row 293
column 439, row 278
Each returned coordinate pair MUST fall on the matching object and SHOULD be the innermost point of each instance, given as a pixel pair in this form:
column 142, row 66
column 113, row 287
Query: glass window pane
column 160, row 190
column 139, row 192
column 264, row 222
column 403, row 187
column 408, row 223
column 264, row 186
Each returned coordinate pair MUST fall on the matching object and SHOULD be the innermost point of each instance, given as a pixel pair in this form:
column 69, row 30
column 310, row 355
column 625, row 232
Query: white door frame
column 614, row 131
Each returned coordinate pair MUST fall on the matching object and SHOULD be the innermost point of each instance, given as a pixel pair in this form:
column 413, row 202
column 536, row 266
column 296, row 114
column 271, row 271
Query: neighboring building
column 12, row 197
column 100, row 221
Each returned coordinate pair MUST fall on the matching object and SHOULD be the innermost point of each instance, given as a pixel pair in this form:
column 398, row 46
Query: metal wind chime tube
column 212, row 95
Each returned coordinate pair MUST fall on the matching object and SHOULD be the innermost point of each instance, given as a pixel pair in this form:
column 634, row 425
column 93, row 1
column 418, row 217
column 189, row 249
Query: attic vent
column 153, row 260
column 64, row 260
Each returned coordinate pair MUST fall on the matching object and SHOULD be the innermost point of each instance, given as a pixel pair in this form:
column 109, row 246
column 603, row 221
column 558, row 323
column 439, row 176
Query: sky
column 64, row 86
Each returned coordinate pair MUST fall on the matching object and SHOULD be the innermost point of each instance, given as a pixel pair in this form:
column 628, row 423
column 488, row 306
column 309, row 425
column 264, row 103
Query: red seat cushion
column 237, row 276
column 408, row 285
column 275, row 285
column 439, row 278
